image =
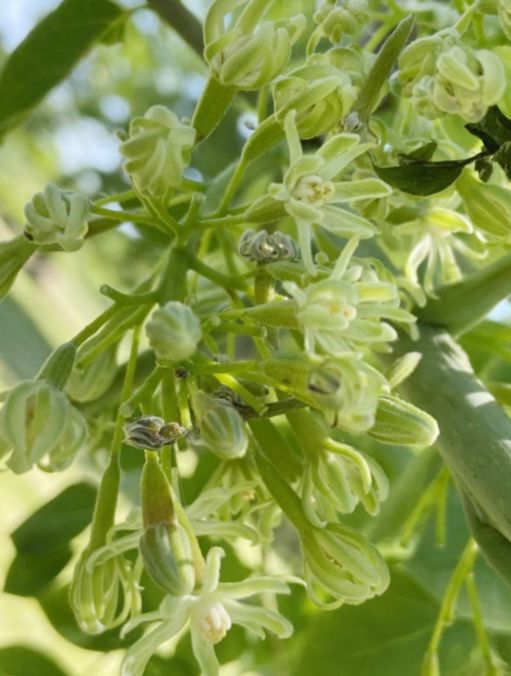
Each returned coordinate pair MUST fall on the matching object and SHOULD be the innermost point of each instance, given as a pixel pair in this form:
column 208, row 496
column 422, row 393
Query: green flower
column 346, row 310
column 336, row 479
column 441, row 74
column 434, row 242
column 174, row 332
column 336, row 18
column 312, row 195
column 157, row 151
column 209, row 613
column 341, row 566
column 57, row 216
column 41, row 427
column 105, row 589
column 252, row 52
column 487, row 205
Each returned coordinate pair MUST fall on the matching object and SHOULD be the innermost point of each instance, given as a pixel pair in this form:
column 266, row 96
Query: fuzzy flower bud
column 38, row 422
column 13, row 256
column 338, row 18
column 252, row 52
column 222, row 430
column 264, row 248
column 174, row 332
column 152, row 433
column 57, row 216
column 157, row 150
column 341, row 566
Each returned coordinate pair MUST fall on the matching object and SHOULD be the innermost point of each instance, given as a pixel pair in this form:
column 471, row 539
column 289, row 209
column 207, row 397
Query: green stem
column 461, row 306
column 120, row 197
column 478, row 620
column 474, row 429
column 186, row 24
column 94, row 325
column 225, row 281
column 145, row 392
column 381, row 70
column 463, row 568
column 123, row 216
column 173, row 281
column 106, row 500
column 127, row 299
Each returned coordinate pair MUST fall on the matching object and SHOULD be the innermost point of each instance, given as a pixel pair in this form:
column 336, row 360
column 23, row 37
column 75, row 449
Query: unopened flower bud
column 488, row 206
column 341, row 566
column 402, row 424
column 252, row 52
column 157, row 150
column 339, row 18
column 151, row 432
column 38, row 422
column 222, row 429
column 90, row 382
column 168, row 558
column 57, row 216
column 13, row 255
column 174, row 332
column 264, row 248
column 104, row 591
column 504, row 10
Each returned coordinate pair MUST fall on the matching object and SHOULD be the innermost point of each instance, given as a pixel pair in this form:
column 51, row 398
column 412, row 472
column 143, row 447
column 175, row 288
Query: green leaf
column 387, row 635
column 56, row 522
column 49, row 52
column 21, row 660
column 422, row 178
column 494, row 129
column 29, row 574
column 421, row 154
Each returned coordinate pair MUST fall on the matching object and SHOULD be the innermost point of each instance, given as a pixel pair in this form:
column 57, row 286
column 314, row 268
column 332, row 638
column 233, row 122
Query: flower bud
column 152, row 433
column 341, row 566
column 349, row 387
column 504, row 10
column 37, row 420
column 165, row 546
column 174, row 332
column 90, row 382
column 104, row 592
column 321, row 94
column 222, row 429
column 13, row 255
column 157, row 151
column 402, row 424
column 337, row 19
column 264, row 248
column 251, row 53
column 57, row 216
column 488, row 206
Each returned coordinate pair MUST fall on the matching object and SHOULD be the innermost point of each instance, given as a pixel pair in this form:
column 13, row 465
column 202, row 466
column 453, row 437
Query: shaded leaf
column 422, row 178
column 29, row 574
column 421, row 154
column 494, row 129
column 49, row 52
column 56, row 522
column 22, row 660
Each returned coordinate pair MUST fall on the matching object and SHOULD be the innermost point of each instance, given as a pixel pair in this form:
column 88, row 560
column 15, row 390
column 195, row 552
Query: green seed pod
column 400, row 423
column 174, row 332
column 57, row 216
column 13, row 256
column 157, row 150
column 37, row 420
column 222, row 429
column 90, row 382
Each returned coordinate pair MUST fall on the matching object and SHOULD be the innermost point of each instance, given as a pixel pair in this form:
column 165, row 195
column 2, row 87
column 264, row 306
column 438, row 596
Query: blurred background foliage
column 70, row 140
